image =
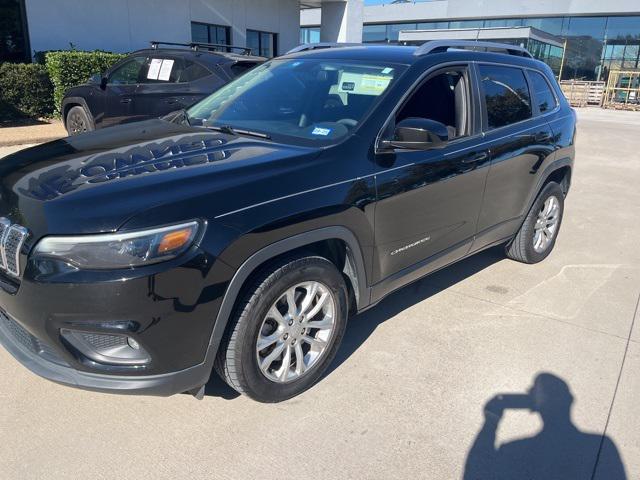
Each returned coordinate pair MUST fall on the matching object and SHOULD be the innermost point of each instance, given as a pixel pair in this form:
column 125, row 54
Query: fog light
column 107, row 349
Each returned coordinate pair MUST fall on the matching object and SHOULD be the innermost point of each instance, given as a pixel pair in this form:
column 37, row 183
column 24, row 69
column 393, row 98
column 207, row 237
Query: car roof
column 208, row 57
column 407, row 55
column 389, row 53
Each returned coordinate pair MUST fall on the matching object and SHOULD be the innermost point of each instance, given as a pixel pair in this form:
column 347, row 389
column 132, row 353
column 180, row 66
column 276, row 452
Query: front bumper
column 169, row 309
column 41, row 360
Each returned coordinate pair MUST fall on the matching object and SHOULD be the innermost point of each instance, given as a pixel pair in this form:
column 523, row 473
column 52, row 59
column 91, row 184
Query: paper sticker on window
column 160, row 69
column 165, row 70
column 363, row 84
column 154, row 68
column 321, row 131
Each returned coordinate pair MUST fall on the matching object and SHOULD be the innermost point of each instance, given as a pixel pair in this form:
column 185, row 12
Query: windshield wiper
column 228, row 129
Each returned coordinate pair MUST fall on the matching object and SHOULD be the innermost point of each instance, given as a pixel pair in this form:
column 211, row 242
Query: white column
column 341, row 21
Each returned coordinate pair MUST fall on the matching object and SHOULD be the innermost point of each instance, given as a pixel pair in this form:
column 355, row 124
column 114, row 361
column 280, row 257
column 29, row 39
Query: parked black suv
column 244, row 232
column 153, row 82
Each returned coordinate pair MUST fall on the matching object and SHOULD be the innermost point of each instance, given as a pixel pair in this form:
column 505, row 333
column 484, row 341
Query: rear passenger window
column 545, row 98
column 506, row 95
column 193, row 71
column 240, row 68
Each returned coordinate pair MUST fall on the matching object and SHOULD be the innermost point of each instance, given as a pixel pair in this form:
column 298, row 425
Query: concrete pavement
column 405, row 397
column 38, row 132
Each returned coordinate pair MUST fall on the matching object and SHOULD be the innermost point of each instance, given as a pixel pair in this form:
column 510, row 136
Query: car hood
column 94, row 182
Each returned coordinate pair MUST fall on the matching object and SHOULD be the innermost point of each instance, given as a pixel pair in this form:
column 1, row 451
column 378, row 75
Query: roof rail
column 205, row 46
column 438, row 46
column 320, row 45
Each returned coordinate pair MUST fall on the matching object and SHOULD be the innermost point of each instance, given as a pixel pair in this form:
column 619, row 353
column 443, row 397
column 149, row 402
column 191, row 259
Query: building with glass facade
column 543, row 46
column 600, row 36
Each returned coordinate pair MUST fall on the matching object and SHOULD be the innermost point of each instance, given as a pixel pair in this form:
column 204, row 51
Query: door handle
column 125, row 100
column 478, row 157
column 542, row 137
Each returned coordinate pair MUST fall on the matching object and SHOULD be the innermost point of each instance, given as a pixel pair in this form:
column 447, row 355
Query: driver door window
column 128, row 73
column 443, row 98
column 120, row 94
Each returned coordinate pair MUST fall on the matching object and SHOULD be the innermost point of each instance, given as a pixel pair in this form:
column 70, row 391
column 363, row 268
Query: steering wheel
column 348, row 122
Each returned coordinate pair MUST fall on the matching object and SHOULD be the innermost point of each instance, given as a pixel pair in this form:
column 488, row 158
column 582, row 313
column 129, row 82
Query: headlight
column 120, row 250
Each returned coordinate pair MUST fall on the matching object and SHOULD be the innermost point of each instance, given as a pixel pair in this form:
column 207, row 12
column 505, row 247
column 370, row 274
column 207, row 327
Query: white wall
column 461, row 9
column 125, row 25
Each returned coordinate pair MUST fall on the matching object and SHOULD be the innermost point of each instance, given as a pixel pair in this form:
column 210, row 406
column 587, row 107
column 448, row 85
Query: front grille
column 12, row 237
column 19, row 335
column 104, row 342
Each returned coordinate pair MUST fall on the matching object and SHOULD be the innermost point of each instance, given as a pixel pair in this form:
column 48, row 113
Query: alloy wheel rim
column 77, row 124
column 546, row 224
column 296, row 332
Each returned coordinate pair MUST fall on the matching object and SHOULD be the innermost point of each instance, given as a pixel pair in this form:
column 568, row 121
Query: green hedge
column 70, row 68
column 25, row 91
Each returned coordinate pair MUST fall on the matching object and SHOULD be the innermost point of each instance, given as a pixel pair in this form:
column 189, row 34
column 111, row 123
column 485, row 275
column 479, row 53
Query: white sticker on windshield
column 387, row 70
column 154, row 68
column 165, row 70
column 321, row 131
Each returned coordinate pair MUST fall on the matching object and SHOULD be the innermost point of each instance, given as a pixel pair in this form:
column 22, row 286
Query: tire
column 526, row 247
column 78, row 121
column 238, row 357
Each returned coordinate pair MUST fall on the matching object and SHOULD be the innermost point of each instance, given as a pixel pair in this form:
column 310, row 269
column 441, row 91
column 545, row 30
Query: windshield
column 310, row 100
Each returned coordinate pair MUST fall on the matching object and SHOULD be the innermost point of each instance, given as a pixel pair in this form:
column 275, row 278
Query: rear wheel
column 537, row 235
column 286, row 331
column 78, row 121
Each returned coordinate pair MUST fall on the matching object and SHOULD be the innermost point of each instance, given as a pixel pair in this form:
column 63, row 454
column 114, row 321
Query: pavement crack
column 538, row 314
column 615, row 391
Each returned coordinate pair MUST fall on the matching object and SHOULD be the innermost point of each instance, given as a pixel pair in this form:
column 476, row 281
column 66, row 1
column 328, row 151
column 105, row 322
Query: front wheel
column 539, row 231
column 78, row 121
column 287, row 330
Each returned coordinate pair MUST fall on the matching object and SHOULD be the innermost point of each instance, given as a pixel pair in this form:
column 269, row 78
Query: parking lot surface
column 405, row 398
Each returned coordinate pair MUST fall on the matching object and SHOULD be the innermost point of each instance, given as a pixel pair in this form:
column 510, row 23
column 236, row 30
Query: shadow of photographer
column 559, row 451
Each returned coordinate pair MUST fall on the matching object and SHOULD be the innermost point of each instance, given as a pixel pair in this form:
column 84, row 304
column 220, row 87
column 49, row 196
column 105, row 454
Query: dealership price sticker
column 165, row 70
column 160, row 69
column 154, row 68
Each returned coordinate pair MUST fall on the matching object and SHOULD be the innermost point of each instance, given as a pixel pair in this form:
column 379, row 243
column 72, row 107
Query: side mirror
column 98, row 79
column 415, row 133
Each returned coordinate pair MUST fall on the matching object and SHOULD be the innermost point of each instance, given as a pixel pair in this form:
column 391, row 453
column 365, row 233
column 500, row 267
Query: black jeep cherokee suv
column 151, row 83
column 241, row 234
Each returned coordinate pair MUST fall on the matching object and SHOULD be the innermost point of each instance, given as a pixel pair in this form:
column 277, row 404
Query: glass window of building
column 432, row 25
column 374, row 33
column 544, row 97
column 264, row 44
column 585, row 27
column 467, row 24
column 503, row 22
column 210, row 33
column 627, row 28
column 309, row 35
column 506, row 95
column 553, row 25
column 14, row 45
column 394, row 29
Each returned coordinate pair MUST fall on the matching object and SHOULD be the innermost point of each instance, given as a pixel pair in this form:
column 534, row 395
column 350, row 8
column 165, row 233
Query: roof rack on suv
column 206, row 46
column 438, row 46
column 317, row 46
